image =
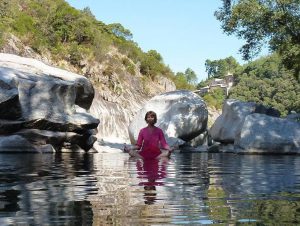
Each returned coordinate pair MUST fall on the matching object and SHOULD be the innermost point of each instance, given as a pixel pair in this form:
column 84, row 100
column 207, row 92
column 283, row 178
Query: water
column 111, row 189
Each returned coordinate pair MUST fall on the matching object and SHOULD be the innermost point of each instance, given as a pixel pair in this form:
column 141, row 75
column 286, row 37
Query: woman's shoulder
column 158, row 129
column 143, row 129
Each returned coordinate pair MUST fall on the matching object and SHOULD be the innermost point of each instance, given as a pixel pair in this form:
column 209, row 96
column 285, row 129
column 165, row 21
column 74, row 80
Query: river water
column 113, row 189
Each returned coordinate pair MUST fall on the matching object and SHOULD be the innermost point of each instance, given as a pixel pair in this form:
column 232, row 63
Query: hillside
column 61, row 35
column 124, row 76
column 265, row 81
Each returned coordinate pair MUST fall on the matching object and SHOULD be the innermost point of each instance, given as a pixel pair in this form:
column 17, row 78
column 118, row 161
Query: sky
column 185, row 32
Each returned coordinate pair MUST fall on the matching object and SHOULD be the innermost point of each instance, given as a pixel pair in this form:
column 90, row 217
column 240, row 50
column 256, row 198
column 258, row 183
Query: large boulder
column 230, row 122
column 264, row 134
column 181, row 114
column 38, row 96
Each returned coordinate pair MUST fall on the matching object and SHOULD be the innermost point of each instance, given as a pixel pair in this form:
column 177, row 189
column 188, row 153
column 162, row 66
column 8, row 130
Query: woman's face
column 150, row 119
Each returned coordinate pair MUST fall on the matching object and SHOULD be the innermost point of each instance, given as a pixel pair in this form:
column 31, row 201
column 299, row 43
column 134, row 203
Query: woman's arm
column 163, row 142
column 138, row 143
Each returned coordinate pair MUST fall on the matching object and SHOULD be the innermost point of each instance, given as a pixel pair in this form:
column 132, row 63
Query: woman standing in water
column 150, row 140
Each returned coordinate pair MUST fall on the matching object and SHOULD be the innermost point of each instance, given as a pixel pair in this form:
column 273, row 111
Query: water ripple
column 188, row 189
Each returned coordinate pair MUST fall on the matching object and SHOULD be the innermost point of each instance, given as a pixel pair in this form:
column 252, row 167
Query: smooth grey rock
column 58, row 139
column 17, row 143
column 264, row 134
column 10, row 107
column 79, row 122
column 293, row 117
column 230, row 122
column 28, row 68
column 34, row 95
column 181, row 114
column 199, row 140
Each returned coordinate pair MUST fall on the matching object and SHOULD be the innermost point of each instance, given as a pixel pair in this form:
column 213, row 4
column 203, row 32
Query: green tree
column 53, row 26
column 220, row 68
column 87, row 11
column 181, row 81
column 121, row 32
column 266, row 81
column 215, row 98
column 261, row 21
column 155, row 54
column 190, row 76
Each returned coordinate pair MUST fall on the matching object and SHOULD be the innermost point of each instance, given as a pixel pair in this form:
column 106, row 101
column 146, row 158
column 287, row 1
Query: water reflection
column 193, row 189
column 151, row 171
column 40, row 189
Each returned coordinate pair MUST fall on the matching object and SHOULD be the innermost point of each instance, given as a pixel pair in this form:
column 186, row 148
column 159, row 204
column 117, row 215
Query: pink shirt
column 151, row 142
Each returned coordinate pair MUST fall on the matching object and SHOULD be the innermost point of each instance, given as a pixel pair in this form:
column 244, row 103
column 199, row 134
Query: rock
column 47, row 100
column 78, row 122
column 16, row 68
column 293, row 117
column 17, row 143
column 264, row 134
column 230, row 122
column 57, row 139
column 10, row 107
column 8, row 126
column 166, row 83
column 199, row 140
column 181, row 114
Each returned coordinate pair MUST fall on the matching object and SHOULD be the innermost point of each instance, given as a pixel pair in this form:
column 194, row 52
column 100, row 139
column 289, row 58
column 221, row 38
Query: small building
column 224, row 84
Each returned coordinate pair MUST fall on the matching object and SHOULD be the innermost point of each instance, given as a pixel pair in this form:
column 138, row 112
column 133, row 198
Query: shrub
column 215, row 98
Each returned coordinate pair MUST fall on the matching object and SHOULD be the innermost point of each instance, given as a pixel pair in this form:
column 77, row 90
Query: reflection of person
column 150, row 140
column 150, row 171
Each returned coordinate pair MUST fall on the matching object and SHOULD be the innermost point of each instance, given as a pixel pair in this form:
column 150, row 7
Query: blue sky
column 184, row 32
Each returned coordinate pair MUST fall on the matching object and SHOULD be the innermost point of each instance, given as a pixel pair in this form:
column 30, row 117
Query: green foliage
column 203, row 83
column 215, row 98
column 145, row 82
column 87, row 11
column 73, row 35
column 261, row 21
column 150, row 65
column 220, row 68
column 191, row 76
column 267, row 82
column 156, row 55
column 130, row 68
column 121, row 32
column 76, row 53
column 181, row 81
column 23, row 24
column 2, row 35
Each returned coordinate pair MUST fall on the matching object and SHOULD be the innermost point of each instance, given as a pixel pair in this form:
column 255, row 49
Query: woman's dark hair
column 151, row 113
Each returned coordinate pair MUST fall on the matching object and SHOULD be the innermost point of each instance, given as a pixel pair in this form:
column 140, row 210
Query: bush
column 24, row 24
column 215, row 98
column 130, row 68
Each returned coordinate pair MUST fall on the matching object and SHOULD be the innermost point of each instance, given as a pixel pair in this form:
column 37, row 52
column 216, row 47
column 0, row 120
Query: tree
column 155, row 54
column 121, row 32
column 266, row 81
column 263, row 21
column 190, row 76
column 211, row 68
column 181, row 81
column 220, row 68
column 87, row 11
